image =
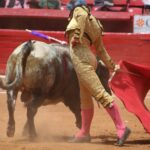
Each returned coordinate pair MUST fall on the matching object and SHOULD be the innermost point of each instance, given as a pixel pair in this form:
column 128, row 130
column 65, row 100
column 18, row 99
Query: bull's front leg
column 74, row 105
column 11, row 101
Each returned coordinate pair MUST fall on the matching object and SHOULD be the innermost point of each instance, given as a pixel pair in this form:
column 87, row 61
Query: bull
column 43, row 74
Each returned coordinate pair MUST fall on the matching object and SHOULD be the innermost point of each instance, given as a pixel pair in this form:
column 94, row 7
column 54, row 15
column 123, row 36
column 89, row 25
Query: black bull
column 44, row 74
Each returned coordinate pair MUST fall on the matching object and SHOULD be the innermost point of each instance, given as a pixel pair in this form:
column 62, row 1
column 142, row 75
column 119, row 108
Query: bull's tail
column 20, row 67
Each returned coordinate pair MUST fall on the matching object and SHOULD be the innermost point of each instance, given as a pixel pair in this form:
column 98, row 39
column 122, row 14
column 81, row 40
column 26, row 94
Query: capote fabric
column 131, row 85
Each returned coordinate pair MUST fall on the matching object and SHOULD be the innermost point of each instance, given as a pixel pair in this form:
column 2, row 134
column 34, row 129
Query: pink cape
column 130, row 85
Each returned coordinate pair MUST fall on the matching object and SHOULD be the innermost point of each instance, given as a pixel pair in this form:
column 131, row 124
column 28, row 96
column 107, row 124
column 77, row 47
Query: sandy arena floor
column 55, row 124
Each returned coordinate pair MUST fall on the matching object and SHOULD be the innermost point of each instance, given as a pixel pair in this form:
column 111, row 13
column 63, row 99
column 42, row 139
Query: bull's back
column 36, row 66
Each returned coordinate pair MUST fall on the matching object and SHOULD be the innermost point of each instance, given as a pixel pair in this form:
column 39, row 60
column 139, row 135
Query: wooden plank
column 34, row 13
column 57, row 14
column 57, row 20
column 136, row 3
column 103, row 15
column 120, row 2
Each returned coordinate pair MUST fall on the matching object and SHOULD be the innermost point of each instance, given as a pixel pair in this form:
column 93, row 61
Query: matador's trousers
column 85, row 64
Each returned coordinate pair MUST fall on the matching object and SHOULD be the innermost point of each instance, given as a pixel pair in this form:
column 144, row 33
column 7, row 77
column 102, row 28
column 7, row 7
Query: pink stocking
column 115, row 115
column 87, row 116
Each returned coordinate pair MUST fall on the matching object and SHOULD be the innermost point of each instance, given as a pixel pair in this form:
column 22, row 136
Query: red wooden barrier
column 121, row 46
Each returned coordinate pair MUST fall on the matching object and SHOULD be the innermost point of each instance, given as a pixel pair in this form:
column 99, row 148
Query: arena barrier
column 121, row 46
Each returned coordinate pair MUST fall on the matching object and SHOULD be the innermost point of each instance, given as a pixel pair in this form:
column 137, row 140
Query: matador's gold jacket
column 86, row 25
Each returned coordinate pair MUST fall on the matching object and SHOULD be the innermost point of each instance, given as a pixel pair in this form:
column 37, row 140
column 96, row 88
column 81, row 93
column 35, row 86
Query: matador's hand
column 117, row 68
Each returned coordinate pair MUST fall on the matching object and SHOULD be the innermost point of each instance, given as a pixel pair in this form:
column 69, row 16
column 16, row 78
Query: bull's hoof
column 33, row 137
column 25, row 133
column 10, row 131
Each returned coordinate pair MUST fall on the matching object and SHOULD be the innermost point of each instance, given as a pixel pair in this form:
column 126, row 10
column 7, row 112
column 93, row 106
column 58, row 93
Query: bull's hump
column 40, row 50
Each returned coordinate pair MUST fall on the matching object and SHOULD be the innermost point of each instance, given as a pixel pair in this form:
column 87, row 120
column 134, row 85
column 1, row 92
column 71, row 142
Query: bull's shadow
column 44, row 75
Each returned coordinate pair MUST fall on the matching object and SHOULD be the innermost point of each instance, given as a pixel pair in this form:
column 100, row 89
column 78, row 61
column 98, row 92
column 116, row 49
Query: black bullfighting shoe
column 85, row 139
column 121, row 141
